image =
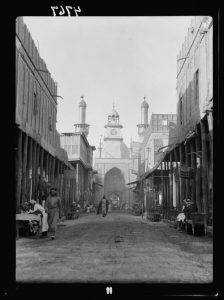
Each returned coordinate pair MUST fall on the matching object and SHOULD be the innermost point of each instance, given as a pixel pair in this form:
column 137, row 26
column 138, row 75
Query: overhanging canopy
column 133, row 182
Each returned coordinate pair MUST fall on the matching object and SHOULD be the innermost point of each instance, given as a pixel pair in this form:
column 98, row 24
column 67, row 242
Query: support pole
column 198, row 181
column 193, row 165
column 178, row 179
column 34, row 170
column 162, row 187
column 171, row 181
column 30, row 167
column 187, row 181
column 41, row 173
column 49, row 169
column 210, row 127
column 19, row 170
column 204, row 169
column 24, row 170
column 182, row 186
column 37, row 173
column 47, row 166
column 165, row 186
column 57, row 175
column 53, row 170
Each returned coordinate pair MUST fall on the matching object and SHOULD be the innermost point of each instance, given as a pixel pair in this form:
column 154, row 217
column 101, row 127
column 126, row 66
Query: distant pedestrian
column 105, row 206
column 53, row 208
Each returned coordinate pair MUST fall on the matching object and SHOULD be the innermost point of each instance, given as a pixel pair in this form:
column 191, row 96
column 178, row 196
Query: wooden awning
column 133, row 182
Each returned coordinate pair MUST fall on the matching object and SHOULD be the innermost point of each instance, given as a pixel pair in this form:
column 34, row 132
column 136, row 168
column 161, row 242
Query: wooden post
column 41, row 172
column 37, row 173
column 204, row 169
column 210, row 128
column 168, row 185
column 19, row 170
column 182, row 186
column 171, row 181
column 178, row 179
column 193, row 165
column 50, row 169
column 53, row 170
column 61, row 178
column 57, row 176
column 47, row 166
column 165, row 188
column 30, row 167
column 187, row 184
column 24, row 170
column 34, row 169
column 198, row 181
column 162, row 186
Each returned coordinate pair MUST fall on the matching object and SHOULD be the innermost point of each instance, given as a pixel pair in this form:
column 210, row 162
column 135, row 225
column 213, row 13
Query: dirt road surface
column 118, row 248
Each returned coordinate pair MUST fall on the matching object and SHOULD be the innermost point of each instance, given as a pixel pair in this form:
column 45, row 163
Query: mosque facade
column 114, row 165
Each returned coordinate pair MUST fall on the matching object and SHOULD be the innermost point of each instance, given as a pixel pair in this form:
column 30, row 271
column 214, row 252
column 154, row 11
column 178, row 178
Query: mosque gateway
column 113, row 164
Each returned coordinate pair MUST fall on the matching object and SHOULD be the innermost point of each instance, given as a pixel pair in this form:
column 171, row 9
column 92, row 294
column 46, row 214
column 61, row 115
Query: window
column 154, row 127
column 74, row 149
column 69, row 149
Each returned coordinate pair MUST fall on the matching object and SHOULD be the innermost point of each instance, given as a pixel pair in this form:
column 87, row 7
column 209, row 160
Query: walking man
column 53, row 208
column 105, row 205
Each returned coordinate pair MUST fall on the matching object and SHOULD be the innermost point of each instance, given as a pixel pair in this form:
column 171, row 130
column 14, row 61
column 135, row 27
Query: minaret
column 100, row 148
column 144, row 120
column 82, row 126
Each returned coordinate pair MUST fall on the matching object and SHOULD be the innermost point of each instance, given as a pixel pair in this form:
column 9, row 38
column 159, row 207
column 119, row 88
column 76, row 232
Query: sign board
column 70, row 174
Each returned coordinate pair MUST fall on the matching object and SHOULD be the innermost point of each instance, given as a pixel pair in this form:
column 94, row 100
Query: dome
column 114, row 113
column 145, row 104
column 82, row 103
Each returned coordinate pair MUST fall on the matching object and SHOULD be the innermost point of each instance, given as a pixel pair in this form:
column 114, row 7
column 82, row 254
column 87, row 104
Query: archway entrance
column 114, row 188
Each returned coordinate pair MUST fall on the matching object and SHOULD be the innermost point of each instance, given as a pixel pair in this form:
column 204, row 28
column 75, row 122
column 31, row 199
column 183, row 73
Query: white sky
column 110, row 59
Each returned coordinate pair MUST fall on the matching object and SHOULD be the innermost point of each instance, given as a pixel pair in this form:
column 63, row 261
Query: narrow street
column 118, row 248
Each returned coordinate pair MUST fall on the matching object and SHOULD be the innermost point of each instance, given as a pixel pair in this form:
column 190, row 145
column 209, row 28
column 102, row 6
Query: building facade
column 114, row 165
column 39, row 156
column 80, row 155
column 156, row 138
column 188, row 160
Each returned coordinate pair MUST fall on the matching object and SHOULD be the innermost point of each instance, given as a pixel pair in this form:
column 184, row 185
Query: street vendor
column 39, row 209
column 188, row 207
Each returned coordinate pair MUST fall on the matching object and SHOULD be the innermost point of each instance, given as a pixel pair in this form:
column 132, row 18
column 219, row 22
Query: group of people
column 51, row 211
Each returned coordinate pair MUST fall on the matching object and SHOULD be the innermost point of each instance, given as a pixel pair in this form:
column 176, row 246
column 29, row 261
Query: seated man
column 37, row 208
column 188, row 207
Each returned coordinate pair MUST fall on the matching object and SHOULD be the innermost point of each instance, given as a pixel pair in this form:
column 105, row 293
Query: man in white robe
column 39, row 208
